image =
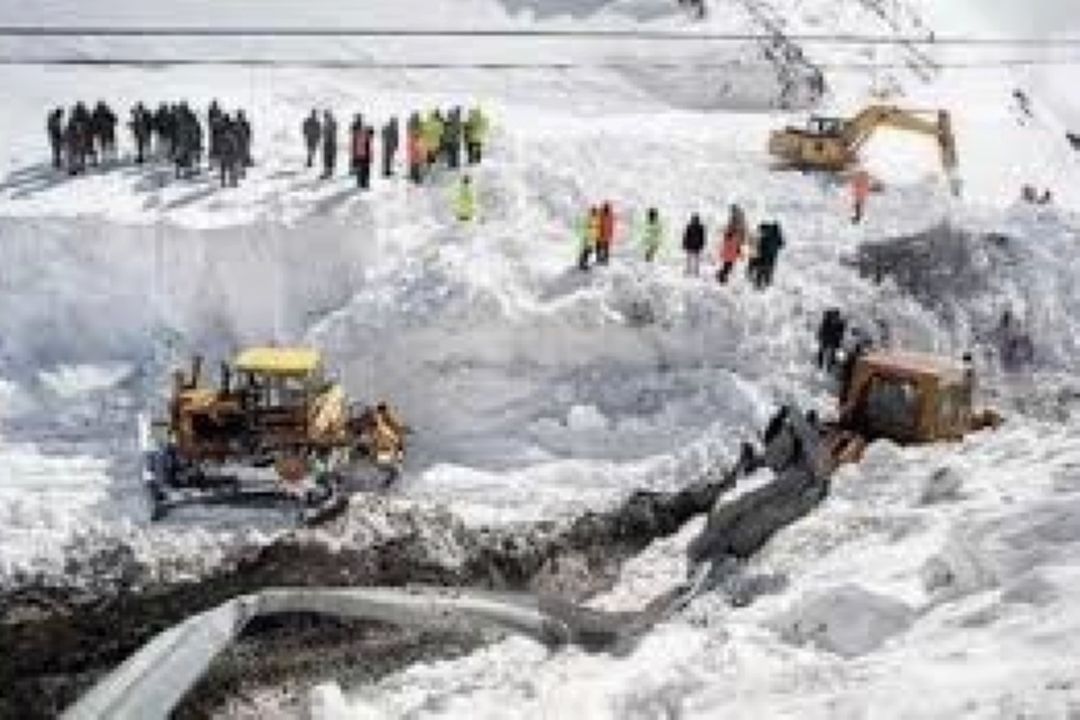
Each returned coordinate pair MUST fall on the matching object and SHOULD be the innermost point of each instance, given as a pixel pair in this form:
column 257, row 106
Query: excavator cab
column 825, row 126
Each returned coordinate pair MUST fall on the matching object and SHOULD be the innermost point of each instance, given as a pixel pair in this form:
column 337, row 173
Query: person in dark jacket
column 103, row 122
column 187, row 141
column 55, row 128
column 452, row 134
column 244, row 129
column 329, row 140
column 693, row 244
column 213, row 127
column 165, row 128
column 770, row 242
column 230, row 152
column 830, row 336
column 312, row 131
column 141, row 125
column 390, row 139
column 78, row 139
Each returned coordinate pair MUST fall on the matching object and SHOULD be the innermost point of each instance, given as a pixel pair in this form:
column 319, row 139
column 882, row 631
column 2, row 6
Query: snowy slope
column 537, row 392
column 933, row 584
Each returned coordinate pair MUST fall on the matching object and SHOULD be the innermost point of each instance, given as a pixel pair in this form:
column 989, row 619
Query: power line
column 560, row 65
column 928, row 39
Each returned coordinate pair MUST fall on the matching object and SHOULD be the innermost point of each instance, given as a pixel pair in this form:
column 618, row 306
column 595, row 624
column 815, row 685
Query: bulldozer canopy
column 282, row 362
column 916, row 365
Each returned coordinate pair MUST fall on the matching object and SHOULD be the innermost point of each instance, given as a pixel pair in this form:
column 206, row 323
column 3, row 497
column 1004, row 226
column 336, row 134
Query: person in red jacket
column 607, row 234
column 731, row 244
column 860, row 191
column 361, row 154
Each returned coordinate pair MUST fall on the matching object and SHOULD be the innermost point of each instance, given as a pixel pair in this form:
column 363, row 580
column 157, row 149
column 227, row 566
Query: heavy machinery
column 274, row 429
column 907, row 397
column 833, row 144
column 910, row 398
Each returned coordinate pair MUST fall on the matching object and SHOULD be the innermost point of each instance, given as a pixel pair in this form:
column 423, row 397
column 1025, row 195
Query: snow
column 934, row 582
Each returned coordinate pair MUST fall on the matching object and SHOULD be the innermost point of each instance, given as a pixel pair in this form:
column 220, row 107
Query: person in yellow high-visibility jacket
column 465, row 200
column 589, row 234
column 476, row 129
column 432, row 130
column 652, row 236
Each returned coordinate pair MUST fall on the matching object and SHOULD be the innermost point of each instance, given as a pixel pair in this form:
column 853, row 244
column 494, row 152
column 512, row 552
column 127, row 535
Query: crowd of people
column 171, row 133
column 175, row 134
column 451, row 139
column 735, row 241
column 81, row 137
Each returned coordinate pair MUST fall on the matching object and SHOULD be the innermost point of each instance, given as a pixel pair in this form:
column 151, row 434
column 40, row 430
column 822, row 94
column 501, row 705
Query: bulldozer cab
column 281, row 376
column 276, row 394
column 909, row 398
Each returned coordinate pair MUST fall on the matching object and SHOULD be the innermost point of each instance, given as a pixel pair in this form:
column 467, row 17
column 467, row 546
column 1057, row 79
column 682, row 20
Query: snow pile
column 846, row 620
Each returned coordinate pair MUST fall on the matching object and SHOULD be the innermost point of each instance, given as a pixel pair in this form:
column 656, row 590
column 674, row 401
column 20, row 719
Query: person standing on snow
column 142, row 128
column 476, row 127
column 465, row 200
column 414, row 148
column 860, row 192
column 652, row 236
column 213, row 126
column 452, row 138
column 589, row 236
column 104, row 123
column 770, row 242
column 54, row 126
column 312, row 131
column 731, row 244
column 433, row 132
column 390, row 138
column 693, row 244
column 77, row 139
column 244, row 128
column 606, row 236
column 329, row 147
column 361, row 154
column 830, row 337
column 230, row 152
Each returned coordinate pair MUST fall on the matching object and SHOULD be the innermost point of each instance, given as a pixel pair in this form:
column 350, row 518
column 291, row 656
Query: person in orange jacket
column 414, row 148
column 606, row 235
column 860, row 191
column 731, row 244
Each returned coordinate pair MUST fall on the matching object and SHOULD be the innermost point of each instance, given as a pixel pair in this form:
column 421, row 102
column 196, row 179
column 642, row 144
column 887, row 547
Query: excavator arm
column 863, row 126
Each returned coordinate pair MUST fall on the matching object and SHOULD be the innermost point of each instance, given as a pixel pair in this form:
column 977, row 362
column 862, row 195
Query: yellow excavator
column 833, row 144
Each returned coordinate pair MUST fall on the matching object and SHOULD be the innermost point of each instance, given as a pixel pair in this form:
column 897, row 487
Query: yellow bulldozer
column 833, row 144
column 909, row 398
column 274, row 429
